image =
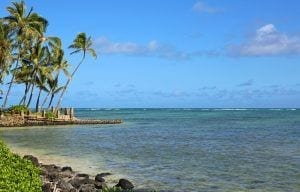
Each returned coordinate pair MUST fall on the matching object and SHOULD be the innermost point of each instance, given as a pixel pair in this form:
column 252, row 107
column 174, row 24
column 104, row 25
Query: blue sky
column 184, row 53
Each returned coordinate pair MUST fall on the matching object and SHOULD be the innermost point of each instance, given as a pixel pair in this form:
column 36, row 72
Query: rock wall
column 11, row 121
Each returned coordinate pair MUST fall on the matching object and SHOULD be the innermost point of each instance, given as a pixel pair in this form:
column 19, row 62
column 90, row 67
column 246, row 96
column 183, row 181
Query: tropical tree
column 59, row 64
column 33, row 60
column 23, row 76
column 5, row 50
column 24, row 26
column 54, row 88
column 38, row 57
column 41, row 79
column 83, row 44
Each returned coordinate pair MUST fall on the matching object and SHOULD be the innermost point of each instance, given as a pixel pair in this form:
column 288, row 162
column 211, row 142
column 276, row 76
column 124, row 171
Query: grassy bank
column 17, row 174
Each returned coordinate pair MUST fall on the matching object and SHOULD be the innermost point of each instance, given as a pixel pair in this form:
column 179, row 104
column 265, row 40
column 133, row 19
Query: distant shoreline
column 29, row 121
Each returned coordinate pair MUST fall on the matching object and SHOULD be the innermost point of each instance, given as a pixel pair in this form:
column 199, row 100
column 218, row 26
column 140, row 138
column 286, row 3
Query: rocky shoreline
column 65, row 179
column 21, row 121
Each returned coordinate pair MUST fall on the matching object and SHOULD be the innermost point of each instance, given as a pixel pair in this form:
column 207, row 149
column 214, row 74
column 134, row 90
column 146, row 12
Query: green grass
column 17, row 174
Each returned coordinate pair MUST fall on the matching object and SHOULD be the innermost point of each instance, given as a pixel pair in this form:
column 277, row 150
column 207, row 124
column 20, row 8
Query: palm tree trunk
column 31, row 94
column 68, row 82
column 38, row 101
column 25, row 93
column 34, row 73
column 10, row 84
column 45, row 100
column 52, row 96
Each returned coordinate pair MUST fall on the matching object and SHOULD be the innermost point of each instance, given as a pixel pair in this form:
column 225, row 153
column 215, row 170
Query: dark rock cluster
column 64, row 179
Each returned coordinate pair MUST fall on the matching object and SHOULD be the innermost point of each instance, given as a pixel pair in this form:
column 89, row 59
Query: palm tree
column 53, row 88
column 39, row 58
column 24, row 26
column 41, row 79
column 5, row 50
column 58, row 64
column 23, row 76
column 83, row 44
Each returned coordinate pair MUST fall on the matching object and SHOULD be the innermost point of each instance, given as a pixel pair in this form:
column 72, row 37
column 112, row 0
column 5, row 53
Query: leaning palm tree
column 83, row 44
column 58, row 64
column 24, row 25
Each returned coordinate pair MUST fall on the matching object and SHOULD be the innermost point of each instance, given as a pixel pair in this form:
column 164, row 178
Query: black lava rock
column 99, row 178
column 125, row 184
column 104, row 174
column 66, row 169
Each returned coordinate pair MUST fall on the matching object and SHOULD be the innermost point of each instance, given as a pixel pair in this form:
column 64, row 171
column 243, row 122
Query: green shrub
column 16, row 109
column 50, row 115
column 17, row 174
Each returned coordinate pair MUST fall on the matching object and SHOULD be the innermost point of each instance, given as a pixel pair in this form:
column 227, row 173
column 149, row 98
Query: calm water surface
column 179, row 149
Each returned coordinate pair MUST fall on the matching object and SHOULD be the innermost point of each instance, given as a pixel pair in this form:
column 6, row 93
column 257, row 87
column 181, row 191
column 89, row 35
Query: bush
column 16, row 109
column 17, row 174
column 50, row 115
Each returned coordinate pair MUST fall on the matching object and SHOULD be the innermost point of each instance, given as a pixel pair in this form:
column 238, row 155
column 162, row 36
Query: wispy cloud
column 172, row 94
column 202, row 7
column 250, row 93
column 206, row 88
column 267, row 41
column 246, row 83
column 152, row 48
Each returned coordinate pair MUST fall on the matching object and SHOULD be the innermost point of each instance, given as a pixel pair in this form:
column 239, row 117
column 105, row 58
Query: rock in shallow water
column 125, row 184
column 33, row 159
column 87, row 188
column 104, row 174
column 99, row 178
column 100, row 185
column 66, row 169
column 81, row 179
column 65, row 186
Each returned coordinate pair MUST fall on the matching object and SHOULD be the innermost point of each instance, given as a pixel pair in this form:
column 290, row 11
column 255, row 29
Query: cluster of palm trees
column 29, row 58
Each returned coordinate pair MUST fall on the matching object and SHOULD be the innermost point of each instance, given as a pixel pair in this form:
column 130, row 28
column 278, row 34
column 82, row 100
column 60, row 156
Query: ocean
column 177, row 149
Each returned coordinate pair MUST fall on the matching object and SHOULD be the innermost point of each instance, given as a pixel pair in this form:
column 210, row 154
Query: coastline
column 51, row 162
column 129, row 148
column 30, row 121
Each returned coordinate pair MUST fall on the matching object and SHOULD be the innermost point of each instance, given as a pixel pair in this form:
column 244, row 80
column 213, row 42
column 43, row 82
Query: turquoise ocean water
column 180, row 149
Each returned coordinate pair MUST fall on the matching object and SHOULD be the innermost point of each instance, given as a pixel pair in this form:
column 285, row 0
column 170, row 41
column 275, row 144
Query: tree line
column 37, row 62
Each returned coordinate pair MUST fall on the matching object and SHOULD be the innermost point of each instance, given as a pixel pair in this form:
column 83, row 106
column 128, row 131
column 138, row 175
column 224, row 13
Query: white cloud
column 152, row 48
column 267, row 41
column 202, row 7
